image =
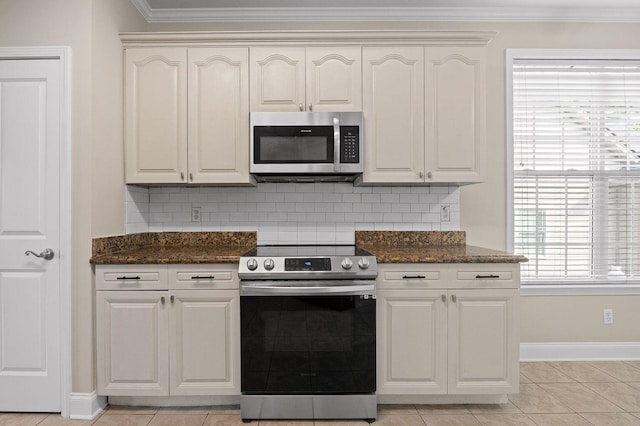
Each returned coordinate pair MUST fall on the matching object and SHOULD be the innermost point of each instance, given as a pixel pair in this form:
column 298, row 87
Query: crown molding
column 311, row 37
column 356, row 14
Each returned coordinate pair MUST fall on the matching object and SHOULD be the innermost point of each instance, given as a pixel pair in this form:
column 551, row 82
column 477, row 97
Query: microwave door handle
column 336, row 144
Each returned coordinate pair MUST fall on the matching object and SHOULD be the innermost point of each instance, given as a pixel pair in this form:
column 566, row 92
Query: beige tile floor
column 551, row 394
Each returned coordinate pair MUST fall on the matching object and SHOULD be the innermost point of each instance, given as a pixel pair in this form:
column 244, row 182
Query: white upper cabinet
column 334, row 79
column 218, row 115
column 312, row 79
column 424, row 111
column 424, row 103
column 171, row 140
column 393, row 107
column 455, row 114
column 156, row 115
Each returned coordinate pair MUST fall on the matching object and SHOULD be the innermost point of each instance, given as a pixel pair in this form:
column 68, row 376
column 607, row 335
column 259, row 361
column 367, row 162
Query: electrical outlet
column 608, row 316
column 445, row 213
column 196, row 214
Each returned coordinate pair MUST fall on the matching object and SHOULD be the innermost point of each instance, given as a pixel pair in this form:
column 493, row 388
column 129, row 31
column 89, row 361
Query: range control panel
column 310, row 264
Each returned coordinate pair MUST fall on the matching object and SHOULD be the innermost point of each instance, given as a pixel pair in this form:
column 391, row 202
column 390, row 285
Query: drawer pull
column 486, row 277
column 413, row 277
column 203, row 277
column 444, row 298
column 162, row 300
column 128, row 278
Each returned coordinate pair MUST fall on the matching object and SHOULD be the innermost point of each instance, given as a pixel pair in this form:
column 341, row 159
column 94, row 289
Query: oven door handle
column 305, row 288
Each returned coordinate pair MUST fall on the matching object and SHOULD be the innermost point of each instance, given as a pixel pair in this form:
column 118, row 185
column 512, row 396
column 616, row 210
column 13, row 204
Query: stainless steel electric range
column 308, row 332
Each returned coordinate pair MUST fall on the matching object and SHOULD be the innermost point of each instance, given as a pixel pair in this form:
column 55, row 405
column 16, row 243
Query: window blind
column 576, row 170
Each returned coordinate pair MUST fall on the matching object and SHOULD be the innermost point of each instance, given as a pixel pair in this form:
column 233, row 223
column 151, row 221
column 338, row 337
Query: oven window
column 308, row 345
column 288, row 144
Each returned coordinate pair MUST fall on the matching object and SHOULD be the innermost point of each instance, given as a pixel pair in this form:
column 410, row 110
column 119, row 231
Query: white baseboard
column 580, row 351
column 86, row 406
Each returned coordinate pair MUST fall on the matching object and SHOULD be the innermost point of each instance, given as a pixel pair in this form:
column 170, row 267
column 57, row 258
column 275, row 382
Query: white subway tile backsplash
column 283, row 213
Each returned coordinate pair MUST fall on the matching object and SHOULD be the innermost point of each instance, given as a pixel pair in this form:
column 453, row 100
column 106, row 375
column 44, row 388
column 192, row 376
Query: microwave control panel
column 349, row 144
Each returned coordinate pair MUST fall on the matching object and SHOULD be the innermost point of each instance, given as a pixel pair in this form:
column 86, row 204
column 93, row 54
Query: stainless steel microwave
column 306, row 146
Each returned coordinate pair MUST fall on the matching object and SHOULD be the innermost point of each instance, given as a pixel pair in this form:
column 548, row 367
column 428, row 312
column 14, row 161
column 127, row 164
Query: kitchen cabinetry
column 424, row 114
column 306, row 79
column 186, row 115
column 448, row 329
column 167, row 330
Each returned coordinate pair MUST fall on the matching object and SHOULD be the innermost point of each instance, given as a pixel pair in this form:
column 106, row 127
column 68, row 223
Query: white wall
column 96, row 56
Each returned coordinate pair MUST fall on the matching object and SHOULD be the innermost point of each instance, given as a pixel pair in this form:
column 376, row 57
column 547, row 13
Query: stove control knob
column 252, row 264
column 269, row 264
column 346, row 263
column 363, row 263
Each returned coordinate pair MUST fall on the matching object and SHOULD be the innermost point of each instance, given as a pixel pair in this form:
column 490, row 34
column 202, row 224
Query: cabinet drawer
column 131, row 277
column 487, row 276
column 203, row 277
column 390, row 277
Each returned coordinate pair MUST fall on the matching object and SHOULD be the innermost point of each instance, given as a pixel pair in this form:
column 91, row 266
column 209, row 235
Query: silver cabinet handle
column 421, row 175
column 310, row 107
column 191, row 177
column 453, row 298
column 444, row 298
column 162, row 300
column 429, row 175
column 47, row 254
column 181, row 175
column 203, row 277
column 172, row 298
column 301, row 107
column 336, row 144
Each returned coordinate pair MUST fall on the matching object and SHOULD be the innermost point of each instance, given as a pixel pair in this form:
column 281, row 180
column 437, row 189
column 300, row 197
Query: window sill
column 579, row 290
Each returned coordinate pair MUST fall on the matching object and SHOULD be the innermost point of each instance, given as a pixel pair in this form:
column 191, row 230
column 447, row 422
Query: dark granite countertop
column 227, row 247
column 173, row 247
column 428, row 247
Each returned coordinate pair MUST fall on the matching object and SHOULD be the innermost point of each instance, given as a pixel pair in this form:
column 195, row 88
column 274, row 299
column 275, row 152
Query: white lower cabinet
column 168, row 341
column 133, row 343
column 440, row 334
column 204, row 329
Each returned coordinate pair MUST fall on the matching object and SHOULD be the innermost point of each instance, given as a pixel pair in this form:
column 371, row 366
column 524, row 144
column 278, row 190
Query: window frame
column 511, row 55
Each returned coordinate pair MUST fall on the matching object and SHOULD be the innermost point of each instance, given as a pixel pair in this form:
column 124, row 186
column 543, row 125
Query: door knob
column 47, row 254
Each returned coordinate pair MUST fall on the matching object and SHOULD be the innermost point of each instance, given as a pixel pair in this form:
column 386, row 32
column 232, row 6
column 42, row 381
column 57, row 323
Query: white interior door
column 30, row 366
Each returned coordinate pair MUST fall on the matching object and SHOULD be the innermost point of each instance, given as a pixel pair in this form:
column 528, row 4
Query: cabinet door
column 277, row 79
column 219, row 115
column 132, row 346
column 455, row 114
column 334, row 79
column 205, row 342
column 156, row 115
column 393, row 106
column 412, row 342
column 483, row 341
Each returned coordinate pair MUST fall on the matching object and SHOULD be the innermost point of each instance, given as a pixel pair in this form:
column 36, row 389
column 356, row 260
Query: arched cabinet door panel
column 455, row 114
column 393, row 107
column 156, row 115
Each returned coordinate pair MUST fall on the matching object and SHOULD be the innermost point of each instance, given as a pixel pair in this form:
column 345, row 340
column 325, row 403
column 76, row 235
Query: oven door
column 305, row 345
